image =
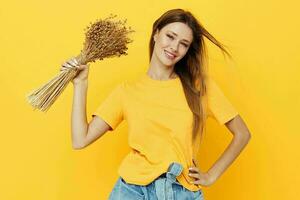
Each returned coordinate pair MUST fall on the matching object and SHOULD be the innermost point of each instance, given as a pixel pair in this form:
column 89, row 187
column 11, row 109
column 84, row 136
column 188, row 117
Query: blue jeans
column 164, row 187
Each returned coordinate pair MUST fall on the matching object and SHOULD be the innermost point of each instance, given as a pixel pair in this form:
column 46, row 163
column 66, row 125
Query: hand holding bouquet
column 103, row 39
column 83, row 70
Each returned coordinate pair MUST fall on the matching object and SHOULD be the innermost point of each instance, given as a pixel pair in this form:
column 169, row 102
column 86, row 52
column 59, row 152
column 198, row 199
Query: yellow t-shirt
column 159, row 125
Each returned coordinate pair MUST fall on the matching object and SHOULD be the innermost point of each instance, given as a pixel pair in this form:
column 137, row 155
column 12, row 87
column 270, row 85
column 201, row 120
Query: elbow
column 247, row 134
column 78, row 141
column 246, row 137
column 78, row 146
column 243, row 136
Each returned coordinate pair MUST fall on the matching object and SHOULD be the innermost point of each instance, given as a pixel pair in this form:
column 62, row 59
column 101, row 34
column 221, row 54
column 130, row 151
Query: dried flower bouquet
column 103, row 39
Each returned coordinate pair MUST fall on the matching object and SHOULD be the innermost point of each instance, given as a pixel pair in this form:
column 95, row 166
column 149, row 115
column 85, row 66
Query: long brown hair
column 191, row 69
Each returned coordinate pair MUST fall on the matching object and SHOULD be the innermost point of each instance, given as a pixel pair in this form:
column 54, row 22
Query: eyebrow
column 176, row 35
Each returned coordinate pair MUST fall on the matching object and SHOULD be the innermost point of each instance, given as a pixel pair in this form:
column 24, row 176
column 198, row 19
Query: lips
column 170, row 55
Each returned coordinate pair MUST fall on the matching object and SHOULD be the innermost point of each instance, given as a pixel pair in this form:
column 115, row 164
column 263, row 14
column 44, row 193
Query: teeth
column 170, row 54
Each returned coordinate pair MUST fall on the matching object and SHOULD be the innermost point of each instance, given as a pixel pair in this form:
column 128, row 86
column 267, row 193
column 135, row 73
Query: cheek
column 163, row 43
column 182, row 53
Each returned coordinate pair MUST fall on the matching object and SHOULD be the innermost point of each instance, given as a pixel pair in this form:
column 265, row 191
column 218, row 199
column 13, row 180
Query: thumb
column 82, row 67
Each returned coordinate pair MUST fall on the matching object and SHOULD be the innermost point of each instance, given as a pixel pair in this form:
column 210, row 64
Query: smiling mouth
column 170, row 56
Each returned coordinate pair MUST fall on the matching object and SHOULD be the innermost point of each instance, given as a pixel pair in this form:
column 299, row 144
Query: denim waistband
column 163, row 184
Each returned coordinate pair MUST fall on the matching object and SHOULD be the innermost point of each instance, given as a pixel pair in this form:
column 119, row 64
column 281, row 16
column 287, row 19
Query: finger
column 196, row 182
column 83, row 67
column 194, row 175
column 194, row 169
column 191, row 182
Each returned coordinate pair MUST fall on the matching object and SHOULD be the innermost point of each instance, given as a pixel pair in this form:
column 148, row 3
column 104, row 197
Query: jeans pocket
column 130, row 191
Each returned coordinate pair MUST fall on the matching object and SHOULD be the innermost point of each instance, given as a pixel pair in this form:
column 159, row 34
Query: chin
column 168, row 64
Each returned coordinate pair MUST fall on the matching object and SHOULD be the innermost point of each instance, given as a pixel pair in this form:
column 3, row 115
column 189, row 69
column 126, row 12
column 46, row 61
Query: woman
column 166, row 109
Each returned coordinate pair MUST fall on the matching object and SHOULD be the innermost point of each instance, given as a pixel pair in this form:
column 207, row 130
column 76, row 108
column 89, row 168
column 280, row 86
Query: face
column 172, row 42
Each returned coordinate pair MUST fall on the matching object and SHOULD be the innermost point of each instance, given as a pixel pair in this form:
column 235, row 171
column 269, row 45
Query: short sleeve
column 219, row 107
column 111, row 109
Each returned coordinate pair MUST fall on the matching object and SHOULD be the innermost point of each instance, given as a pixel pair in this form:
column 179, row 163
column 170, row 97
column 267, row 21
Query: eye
column 185, row 45
column 170, row 36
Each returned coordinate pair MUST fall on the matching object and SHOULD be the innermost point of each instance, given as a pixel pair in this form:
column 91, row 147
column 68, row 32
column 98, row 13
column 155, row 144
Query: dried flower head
column 105, row 38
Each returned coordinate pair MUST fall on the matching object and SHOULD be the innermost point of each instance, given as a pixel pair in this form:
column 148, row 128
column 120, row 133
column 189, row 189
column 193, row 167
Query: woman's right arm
column 79, row 120
column 83, row 133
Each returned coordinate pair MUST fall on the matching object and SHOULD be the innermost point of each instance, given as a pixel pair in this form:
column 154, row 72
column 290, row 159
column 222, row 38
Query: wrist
column 212, row 178
column 80, row 83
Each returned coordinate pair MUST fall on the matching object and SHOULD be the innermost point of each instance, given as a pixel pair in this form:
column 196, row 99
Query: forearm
column 235, row 147
column 79, row 118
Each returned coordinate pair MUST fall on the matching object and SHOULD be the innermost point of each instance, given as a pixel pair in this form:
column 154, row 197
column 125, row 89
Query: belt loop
column 163, row 185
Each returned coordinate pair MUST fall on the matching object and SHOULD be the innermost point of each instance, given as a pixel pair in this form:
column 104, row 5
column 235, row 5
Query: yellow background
column 262, row 82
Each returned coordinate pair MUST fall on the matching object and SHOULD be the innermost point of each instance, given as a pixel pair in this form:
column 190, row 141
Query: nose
column 174, row 46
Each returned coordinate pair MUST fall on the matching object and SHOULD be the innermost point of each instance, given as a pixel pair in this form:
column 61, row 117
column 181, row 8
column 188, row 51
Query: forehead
column 180, row 29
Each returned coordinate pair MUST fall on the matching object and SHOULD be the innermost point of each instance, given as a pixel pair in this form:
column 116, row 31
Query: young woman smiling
column 166, row 109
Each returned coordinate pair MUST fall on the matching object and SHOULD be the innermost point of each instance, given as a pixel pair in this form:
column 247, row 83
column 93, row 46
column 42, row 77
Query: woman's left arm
column 241, row 137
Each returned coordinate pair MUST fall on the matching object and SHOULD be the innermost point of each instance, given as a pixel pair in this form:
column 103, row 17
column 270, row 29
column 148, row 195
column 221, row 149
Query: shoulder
column 123, row 87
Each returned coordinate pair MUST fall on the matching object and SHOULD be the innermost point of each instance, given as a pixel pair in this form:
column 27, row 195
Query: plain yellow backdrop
column 262, row 82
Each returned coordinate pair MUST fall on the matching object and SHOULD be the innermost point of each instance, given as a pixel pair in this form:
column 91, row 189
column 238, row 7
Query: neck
column 159, row 71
